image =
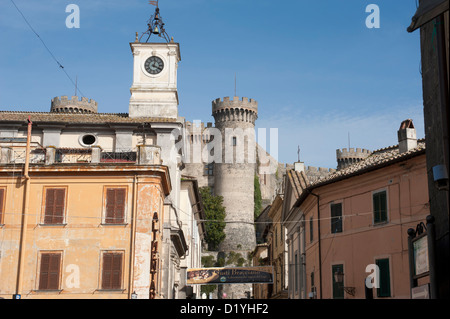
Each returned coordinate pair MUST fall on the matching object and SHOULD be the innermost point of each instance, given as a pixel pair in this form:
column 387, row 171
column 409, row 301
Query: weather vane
column 155, row 24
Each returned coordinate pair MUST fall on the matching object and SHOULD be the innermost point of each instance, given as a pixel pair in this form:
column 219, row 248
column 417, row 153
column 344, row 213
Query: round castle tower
column 346, row 158
column 234, row 180
column 74, row 105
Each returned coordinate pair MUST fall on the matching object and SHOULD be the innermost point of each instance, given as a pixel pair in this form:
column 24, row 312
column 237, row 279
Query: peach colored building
column 81, row 230
column 356, row 217
column 276, row 240
column 261, row 258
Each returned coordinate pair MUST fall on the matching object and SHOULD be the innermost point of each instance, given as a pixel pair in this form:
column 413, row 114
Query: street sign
column 420, row 246
column 421, row 292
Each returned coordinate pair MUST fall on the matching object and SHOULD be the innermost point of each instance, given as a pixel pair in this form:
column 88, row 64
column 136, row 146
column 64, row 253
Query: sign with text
column 420, row 246
column 421, row 292
column 230, row 275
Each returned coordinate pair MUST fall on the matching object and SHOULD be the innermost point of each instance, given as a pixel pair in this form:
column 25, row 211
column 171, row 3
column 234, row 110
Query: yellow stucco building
column 81, row 230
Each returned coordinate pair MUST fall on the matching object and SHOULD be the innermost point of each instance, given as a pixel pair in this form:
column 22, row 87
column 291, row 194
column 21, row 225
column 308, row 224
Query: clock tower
column 154, row 89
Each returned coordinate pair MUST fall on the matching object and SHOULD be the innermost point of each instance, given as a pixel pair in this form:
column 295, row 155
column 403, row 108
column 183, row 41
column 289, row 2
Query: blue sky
column 317, row 72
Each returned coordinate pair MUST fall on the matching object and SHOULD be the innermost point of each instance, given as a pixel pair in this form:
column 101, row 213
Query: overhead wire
column 47, row 48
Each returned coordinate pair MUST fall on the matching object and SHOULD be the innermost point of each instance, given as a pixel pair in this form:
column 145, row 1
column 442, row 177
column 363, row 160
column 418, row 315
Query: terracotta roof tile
column 299, row 181
column 16, row 116
column 378, row 158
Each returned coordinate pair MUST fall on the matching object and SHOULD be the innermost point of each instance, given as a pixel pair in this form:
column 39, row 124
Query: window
column 311, row 232
column 276, row 236
column 234, row 141
column 209, row 169
column 112, row 270
column 312, row 280
column 385, row 278
column 296, row 272
column 336, row 218
column 55, row 199
column 88, row 140
column 49, row 271
column 115, row 205
column 379, row 207
column 338, row 287
column 2, row 203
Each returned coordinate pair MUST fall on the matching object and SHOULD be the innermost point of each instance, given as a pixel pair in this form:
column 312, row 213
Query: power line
column 48, row 50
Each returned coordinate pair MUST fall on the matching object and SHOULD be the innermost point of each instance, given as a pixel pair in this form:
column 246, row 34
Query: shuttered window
column 311, row 230
column 115, row 205
column 50, row 271
column 385, row 278
column 336, row 218
column 2, row 203
column 112, row 270
column 54, row 205
column 379, row 207
column 338, row 287
column 296, row 272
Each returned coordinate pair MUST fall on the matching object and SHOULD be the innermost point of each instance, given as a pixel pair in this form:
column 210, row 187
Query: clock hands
column 154, row 66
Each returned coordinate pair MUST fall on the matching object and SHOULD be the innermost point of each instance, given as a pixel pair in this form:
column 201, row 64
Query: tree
column 215, row 215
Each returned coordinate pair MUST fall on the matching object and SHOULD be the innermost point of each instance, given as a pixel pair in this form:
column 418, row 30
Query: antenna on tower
column 349, row 141
column 298, row 153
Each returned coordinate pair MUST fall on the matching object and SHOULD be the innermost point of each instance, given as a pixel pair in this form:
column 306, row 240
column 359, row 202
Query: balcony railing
column 118, row 157
column 143, row 155
column 73, row 155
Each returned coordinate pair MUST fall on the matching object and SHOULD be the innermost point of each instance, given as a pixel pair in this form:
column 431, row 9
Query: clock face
column 154, row 65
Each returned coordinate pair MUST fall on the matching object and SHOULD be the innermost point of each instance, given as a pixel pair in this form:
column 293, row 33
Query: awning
column 427, row 11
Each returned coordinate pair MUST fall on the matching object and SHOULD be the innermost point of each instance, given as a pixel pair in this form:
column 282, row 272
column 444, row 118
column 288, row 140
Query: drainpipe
column 320, row 246
column 133, row 236
column 26, row 196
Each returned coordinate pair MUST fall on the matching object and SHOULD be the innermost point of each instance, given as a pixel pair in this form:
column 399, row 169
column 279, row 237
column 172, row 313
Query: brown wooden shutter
column 54, row 205
column 49, row 274
column 115, row 205
column 112, row 271
column 2, row 201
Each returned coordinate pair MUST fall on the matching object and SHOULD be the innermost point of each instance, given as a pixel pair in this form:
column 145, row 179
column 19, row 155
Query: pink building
column 356, row 218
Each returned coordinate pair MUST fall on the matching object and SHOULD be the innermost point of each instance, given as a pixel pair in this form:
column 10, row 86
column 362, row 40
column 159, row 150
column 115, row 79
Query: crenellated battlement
column 238, row 110
column 74, row 105
column 351, row 153
column 319, row 170
column 235, row 103
column 346, row 157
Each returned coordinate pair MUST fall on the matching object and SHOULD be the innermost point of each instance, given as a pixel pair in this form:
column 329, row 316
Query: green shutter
column 379, row 207
column 385, row 278
column 383, row 206
column 336, row 218
column 338, row 288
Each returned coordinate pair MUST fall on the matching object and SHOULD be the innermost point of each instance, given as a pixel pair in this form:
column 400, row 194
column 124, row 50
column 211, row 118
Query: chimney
column 299, row 166
column 407, row 138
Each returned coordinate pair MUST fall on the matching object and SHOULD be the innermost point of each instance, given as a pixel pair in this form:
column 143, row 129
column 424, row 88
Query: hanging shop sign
column 230, row 275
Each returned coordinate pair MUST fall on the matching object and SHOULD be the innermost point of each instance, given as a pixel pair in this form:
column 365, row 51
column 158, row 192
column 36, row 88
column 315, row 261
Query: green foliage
column 208, row 261
column 235, row 259
column 257, row 197
column 215, row 214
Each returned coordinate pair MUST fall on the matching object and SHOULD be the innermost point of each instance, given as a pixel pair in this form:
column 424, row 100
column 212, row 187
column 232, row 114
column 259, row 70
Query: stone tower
column 234, row 177
column 74, row 105
column 346, row 158
column 234, row 180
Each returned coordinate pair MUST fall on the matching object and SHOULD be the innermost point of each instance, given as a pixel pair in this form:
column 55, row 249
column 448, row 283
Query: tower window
column 209, row 169
column 234, row 141
column 88, row 139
